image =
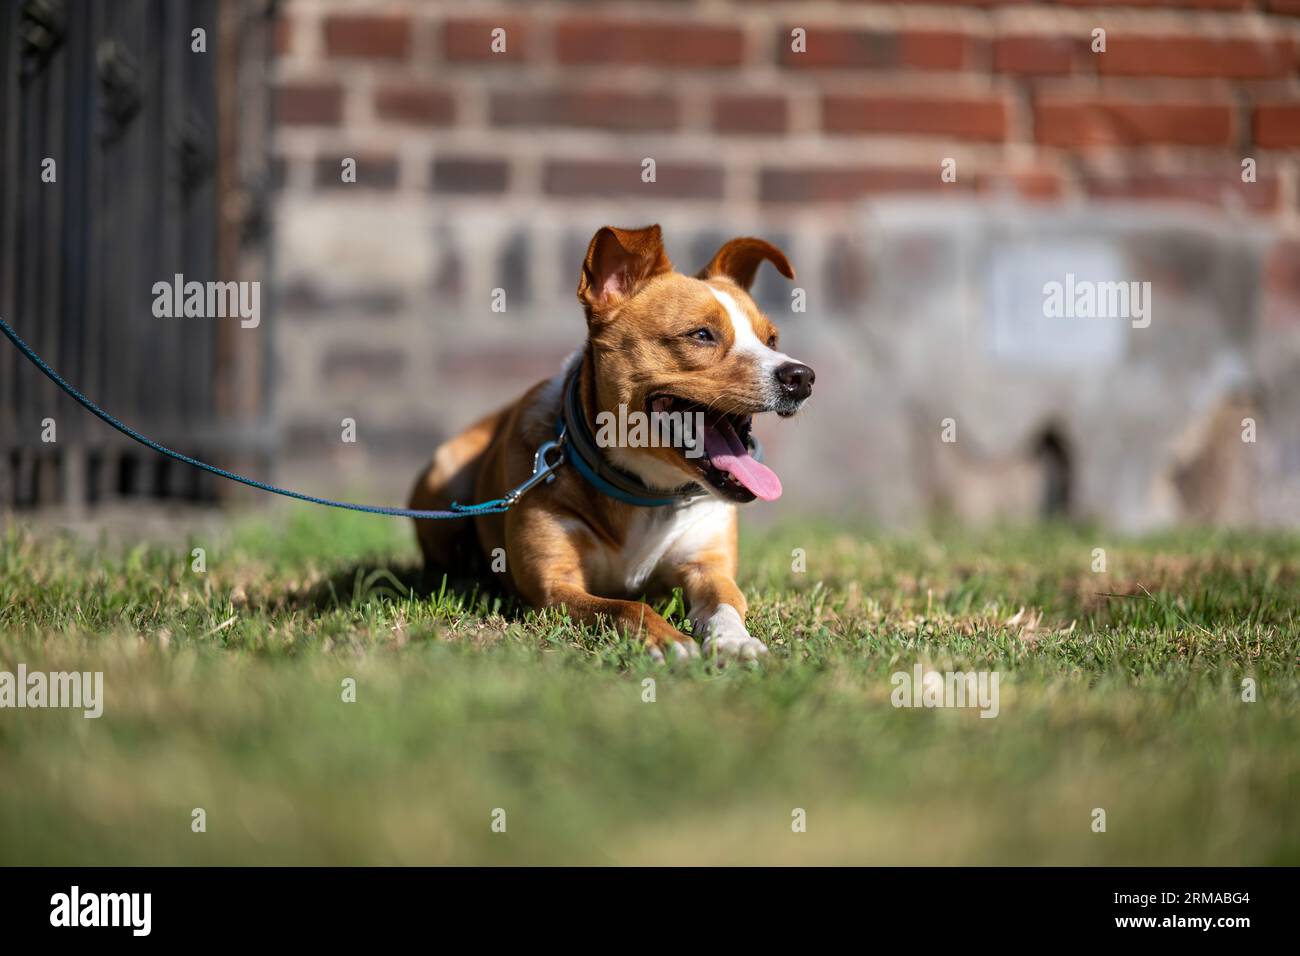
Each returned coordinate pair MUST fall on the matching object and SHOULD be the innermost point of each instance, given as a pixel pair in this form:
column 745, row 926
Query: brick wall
column 481, row 170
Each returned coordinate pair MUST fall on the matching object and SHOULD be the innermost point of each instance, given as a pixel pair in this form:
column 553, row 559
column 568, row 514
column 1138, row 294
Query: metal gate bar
column 113, row 92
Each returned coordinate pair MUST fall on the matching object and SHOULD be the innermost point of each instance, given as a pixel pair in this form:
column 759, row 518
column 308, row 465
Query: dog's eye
column 700, row 335
column 771, row 341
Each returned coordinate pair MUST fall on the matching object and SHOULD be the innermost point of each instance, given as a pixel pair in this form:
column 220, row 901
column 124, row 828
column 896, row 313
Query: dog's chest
column 657, row 538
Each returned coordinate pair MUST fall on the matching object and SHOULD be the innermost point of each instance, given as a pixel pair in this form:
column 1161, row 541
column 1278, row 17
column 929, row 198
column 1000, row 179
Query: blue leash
column 542, row 467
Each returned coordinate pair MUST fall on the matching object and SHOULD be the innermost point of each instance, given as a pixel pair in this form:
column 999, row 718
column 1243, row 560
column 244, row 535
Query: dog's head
column 694, row 355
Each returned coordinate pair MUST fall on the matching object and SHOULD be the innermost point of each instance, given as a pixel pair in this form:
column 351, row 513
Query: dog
column 613, row 520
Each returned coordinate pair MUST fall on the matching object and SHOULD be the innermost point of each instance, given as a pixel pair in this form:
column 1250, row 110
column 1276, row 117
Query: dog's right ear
column 618, row 261
column 739, row 260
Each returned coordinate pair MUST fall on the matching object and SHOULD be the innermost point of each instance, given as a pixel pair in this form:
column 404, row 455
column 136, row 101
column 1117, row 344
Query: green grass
column 223, row 691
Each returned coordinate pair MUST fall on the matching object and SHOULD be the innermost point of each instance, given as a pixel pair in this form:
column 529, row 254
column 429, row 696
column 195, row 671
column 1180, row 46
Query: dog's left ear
column 739, row 260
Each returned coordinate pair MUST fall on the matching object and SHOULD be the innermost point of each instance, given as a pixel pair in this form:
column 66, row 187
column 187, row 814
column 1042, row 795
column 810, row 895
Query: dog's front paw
column 725, row 636
column 680, row 651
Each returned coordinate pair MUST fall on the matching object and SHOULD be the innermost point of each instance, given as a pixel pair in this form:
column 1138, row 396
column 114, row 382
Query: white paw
column 682, row 650
column 685, row 650
column 725, row 636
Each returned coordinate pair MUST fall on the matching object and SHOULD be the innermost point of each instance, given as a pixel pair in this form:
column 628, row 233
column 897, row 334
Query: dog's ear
column 619, row 260
column 739, row 260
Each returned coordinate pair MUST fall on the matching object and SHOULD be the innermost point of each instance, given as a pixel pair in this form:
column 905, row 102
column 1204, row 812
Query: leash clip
column 543, row 468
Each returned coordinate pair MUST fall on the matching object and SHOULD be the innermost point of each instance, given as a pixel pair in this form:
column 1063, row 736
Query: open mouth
column 723, row 455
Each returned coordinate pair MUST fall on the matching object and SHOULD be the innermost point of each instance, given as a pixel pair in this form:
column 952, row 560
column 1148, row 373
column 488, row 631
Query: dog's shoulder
column 539, row 408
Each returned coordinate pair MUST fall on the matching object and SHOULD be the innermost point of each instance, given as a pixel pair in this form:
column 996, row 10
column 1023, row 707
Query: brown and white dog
column 657, row 340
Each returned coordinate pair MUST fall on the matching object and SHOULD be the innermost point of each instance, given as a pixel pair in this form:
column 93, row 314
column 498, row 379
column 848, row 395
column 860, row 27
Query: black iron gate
column 123, row 166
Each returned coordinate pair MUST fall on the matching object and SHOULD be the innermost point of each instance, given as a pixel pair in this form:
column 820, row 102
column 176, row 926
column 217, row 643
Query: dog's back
column 451, row 547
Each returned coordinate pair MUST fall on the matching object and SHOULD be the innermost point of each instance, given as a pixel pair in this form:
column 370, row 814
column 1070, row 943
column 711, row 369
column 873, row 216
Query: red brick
column 1282, row 284
column 647, row 43
column 843, row 183
column 414, row 103
column 677, row 180
column 1285, row 6
column 1206, row 189
column 1277, row 125
column 368, row 37
column 1240, row 58
column 952, row 3
column 936, row 50
column 283, row 32
column 956, row 3
column 299, row 103
column 470, row 174
column 835, row 47
column 469, row 39
column 975, row 118
column 1111, row 122
column 1027, row 183
column 1144, row 4
column 1186, row 4
column 1042, row 55
column 595, row 109
column 750, row 113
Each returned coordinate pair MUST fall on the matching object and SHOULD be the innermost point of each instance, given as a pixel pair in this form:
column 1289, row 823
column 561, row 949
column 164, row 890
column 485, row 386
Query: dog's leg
column 633, row 618
column 450, row 547
column 552, row 575
column 717, row 607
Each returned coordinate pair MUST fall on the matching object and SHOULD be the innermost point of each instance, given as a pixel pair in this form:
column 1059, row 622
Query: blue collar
column 580, row 448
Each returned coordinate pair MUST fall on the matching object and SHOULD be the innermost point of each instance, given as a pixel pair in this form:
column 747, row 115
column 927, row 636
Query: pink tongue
column 727, row 452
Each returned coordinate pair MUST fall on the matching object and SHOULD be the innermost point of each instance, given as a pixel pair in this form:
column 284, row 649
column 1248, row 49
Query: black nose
column 796, row 379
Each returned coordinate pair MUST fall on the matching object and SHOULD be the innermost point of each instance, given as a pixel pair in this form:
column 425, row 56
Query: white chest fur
column 659, row 537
